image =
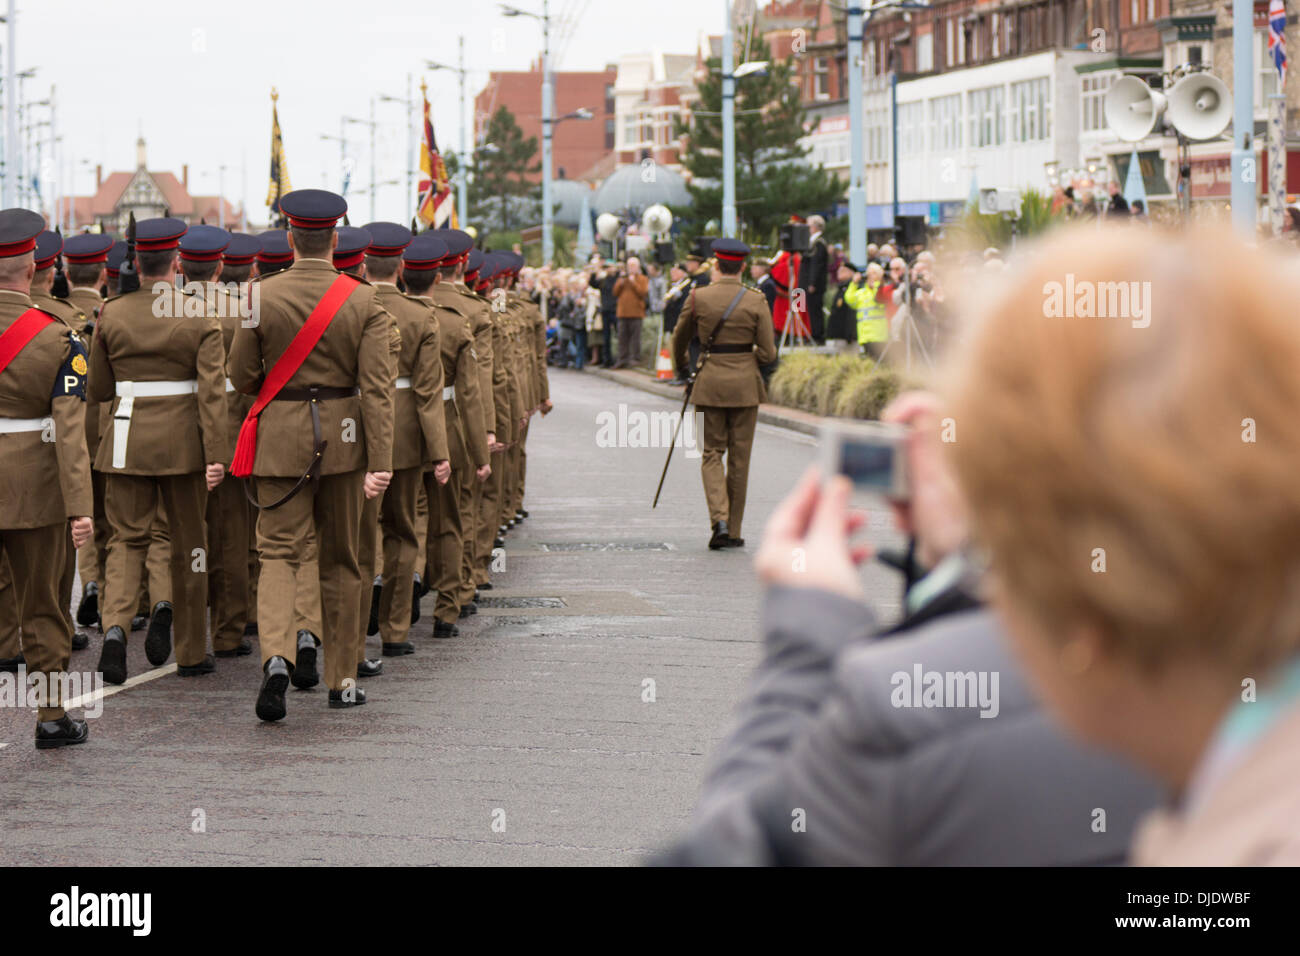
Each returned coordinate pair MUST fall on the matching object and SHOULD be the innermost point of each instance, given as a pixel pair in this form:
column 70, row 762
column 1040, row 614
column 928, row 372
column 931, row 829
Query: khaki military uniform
column 162, row 370
column 506, row 418
column 467, row 446
column 352, row 360
column 43, row 484
column 228, row 515
column 419, row 440
column 472, row 492
column 728, row 387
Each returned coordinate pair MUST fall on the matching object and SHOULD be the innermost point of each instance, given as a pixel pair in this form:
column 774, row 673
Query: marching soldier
column 452, row 287
column 49, row 247
column 275, row 254
column 46, row 484
column 734, row 328
column 350, row 257
column 202, row 260
column 158, row 358
column 91, row 268
column 419, row 432
column 466, row 436
column 318, row 440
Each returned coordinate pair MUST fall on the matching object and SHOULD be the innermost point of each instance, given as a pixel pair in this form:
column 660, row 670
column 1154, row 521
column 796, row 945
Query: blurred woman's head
column 1127, row 433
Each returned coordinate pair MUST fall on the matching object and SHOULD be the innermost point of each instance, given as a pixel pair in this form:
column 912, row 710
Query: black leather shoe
column 478, row 594
column 416, row 594
column 270, row 699
column 445, row 629
column 250, row 629
column 720, row 536
column 63, row 732
column 80, row 640
column 469, row 610
column 511, row 523
column 10, row 665
column 370, row 668
column 501, row 530
column 372, row 625
column 399, row 650
column 205, row 666
column 524, row 512
column 519, row 516
column 112, row 659
column 158, row 642
column 499, row 542
column 243, row 650
column 139, row 622
column 352, row 697
column 487, row 586
column 734, row 542
column 305, row 674
column 88, row 609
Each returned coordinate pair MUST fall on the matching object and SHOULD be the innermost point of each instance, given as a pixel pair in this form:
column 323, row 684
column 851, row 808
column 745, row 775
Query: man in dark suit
column 812, row 276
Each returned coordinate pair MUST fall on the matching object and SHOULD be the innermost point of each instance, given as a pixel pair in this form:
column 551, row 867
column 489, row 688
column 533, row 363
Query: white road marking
column 3, row 746
column 136, row 681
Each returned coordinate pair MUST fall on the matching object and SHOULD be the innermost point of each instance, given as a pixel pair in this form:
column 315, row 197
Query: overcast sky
column 195, row 78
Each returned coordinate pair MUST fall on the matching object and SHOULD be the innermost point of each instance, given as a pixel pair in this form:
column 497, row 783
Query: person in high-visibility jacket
column 866, row 298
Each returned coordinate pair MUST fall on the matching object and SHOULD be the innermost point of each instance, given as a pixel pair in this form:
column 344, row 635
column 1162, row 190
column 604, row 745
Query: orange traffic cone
column 664, row 365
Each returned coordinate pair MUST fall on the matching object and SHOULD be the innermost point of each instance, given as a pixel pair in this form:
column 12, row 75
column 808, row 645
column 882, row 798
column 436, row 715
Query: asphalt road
column 535, row 737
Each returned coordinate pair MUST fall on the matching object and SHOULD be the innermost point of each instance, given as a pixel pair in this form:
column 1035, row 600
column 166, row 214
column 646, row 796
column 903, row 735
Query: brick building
column 578, row 144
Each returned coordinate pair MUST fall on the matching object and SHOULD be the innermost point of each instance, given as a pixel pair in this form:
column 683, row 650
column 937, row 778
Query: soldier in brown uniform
column 49, row 249
column 46, row 497
column 466, row 436
column 450, row 288
column 419, row 431
column 87, row 256
column 158, row 357
column 317, row 442
column 202, row 251
column 734, row 327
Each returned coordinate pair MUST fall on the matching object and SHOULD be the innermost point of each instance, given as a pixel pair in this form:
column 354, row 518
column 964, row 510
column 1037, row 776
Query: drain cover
column 606, row 546
column 517, row 602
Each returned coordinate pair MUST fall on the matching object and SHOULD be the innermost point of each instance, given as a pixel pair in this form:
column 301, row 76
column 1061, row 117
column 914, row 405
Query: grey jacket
column 833, row 762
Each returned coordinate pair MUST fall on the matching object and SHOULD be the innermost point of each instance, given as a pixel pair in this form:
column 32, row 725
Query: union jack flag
column 436, row 204
column 1277, row 38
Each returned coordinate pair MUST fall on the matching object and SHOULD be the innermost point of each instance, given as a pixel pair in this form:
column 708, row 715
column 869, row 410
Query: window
column 1030, row 111
column 609, row 134
column 1133, row 10
column 996, row 36
column 984, row 107
column 877, row 139
column 1151, row 9
column 1092, row 94
column 945, row 123
column 911, row 131
column 950, row 43
column 925, row 53
column 821, row 78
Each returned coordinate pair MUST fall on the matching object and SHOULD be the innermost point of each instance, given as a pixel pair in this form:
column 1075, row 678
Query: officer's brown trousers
column 368, row 545
column 333, row 511
column 227, row 521
column 728, row 431
column 131, row 503
column 489, row 519
column 401, row 552
column 36, row 559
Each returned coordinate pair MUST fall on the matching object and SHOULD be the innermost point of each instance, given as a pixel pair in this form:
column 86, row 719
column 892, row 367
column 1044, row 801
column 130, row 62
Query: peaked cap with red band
column 732, row 250
column 158, row 235
column 426, row 251
column 18, row 231
column 204, row 243
column 88, row 248
column 313, row 208
column 351, row 248
column 48, row 246
column 243, row 249
column 275, row 247
column 387, row 238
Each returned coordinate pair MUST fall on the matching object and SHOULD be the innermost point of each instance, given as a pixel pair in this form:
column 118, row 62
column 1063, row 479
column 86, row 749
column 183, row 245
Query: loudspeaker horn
column 1132, row 108
column 1200, row 106
column 607, row 226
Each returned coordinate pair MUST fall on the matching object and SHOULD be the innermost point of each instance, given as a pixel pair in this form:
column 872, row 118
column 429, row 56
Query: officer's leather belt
column 314, row 394
column 731, row 349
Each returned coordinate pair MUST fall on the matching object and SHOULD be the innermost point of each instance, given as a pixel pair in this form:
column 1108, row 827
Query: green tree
column 773, row 179
column 500, row 193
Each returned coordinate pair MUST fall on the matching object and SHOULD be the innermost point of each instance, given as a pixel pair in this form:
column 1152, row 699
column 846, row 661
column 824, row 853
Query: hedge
column 846, row 386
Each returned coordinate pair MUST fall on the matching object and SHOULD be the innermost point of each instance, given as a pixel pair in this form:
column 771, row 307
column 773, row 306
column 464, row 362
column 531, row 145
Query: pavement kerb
column 792, row 418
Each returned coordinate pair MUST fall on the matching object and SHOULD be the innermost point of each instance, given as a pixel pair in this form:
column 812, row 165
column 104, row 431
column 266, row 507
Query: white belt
column 449, row 393
column 9, row 426
column 230, row 386
column 403, row 381
column 127, row 393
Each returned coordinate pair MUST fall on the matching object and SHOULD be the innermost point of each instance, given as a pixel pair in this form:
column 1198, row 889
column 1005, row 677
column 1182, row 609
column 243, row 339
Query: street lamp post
column 1243, row 117
column 462, row 171
column 729, row 78
column 371, row 123
column 548, row 108
column 409, row 103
